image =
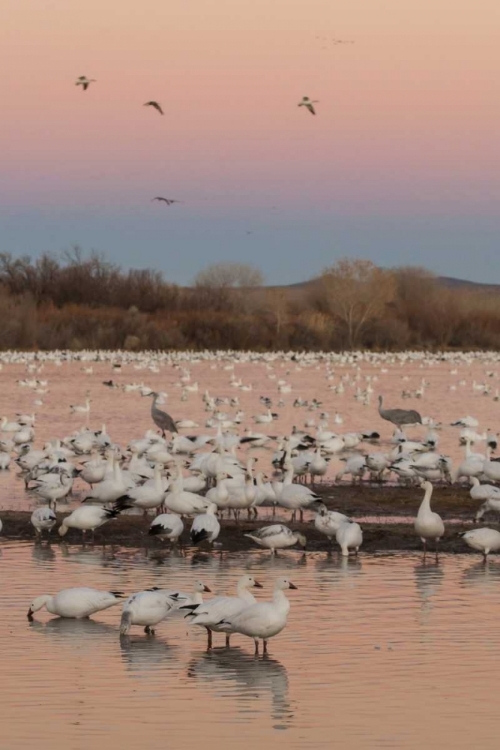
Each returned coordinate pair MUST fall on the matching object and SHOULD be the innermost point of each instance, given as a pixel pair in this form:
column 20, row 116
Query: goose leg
column 209, row 642
column 265, row 647
column 425, row 548
column 228, row 636
column 437, row 550
column 256, row 641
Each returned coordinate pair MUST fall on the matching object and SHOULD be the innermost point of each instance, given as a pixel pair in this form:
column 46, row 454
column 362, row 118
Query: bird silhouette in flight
column 308, row 104
column 167, row 201
column 155, row 105
column 84, row 82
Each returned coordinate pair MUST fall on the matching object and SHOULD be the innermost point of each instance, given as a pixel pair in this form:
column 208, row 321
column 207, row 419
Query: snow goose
column 377, row 463
column 195, row 483
column 183, row 503
column 76, row 602
column 318, row 466
column 209, row 614
column 94, row 470
column 55, row 490
column 220, row 493
column 491, row 469
column 354, row 465
column 262, row 620
column 205, row 526
column 147, row 608
column 146, row 497
column 195, row 598
column 87, row 518
column 484, row 540
column 428, row 525
column 349, row 536
column 294, row 497
column 328, row 522
column 276, row 537
column 110, row 489
column 487, row 492
column 81, row 408
column 465, row 422
column 24, row 435
column 6, row 426
column 4, row 461
column 265, row 491
column 43, row 519
column 167, row 526
column 480, row 491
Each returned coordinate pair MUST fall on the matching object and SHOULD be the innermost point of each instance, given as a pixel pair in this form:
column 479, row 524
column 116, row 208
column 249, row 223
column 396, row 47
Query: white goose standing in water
column 262, row 620
column 483, row 540
column 209, row 614
column 75, row 603
column 276, row 537
column 43, row 519
column 147, row 608
column 428, row 525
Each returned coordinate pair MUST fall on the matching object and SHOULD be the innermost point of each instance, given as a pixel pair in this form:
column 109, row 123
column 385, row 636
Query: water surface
column 382, row 652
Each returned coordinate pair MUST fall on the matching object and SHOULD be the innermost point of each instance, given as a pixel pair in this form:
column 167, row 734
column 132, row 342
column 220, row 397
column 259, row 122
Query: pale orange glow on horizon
column 407, row 119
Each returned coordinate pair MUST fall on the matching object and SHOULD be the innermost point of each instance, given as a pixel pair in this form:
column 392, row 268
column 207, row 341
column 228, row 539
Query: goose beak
column 30, row 615
column 292, row 586
column 258, row 585
column 207, row 590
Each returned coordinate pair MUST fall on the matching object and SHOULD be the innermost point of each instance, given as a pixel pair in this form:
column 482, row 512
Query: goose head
column 302, row 541
column 200, row 588
column 249, row 582
column 37, row 604
column 284, row 583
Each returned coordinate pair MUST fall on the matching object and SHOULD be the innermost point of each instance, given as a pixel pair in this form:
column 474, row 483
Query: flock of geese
column 242, row 613
column 178, row 476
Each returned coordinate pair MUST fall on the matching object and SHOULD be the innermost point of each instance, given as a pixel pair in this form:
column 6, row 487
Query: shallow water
column 127, row 415
column 382, row 652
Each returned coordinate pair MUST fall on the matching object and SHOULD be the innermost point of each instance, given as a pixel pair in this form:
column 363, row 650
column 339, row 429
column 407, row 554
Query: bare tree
column 225, row 275
column 355, row 293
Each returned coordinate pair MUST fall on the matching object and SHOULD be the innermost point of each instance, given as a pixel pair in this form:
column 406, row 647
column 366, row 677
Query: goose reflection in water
column 251, row 676
column 87, row 555
column 85, row 632
column 142, row 655
column 41, row 552
column 482, row 573
column 278, row 562
column 428, row 579
column 339, row 566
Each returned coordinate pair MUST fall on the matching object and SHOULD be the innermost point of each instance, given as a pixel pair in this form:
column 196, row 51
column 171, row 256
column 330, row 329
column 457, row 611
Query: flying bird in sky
column 84, row 81
column 308, row 103
column 155, row 105
column 168, row 201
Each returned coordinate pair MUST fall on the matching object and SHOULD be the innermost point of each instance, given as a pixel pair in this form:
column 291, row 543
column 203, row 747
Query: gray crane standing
column 399, row 417
column 161, row 419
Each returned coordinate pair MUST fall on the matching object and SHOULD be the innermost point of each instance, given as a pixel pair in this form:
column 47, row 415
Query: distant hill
column 478, row 286
column 447, row 281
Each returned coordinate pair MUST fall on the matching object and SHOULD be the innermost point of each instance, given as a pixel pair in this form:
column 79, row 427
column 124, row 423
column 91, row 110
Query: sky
column 400, row 165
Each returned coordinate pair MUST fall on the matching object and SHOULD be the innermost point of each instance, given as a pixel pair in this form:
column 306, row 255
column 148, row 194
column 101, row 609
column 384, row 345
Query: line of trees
column 77, row 301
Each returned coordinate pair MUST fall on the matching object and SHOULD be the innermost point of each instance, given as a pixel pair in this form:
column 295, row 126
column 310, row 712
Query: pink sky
column 407, row 123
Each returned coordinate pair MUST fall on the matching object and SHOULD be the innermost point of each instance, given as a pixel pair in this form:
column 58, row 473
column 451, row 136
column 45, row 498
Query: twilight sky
column 401, row 164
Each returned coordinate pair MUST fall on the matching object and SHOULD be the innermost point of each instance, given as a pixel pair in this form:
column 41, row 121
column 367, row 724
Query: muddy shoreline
column 382, row 531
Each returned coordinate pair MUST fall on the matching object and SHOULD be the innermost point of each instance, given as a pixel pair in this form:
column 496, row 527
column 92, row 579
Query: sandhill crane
column 398, row 417
column 161, row 419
